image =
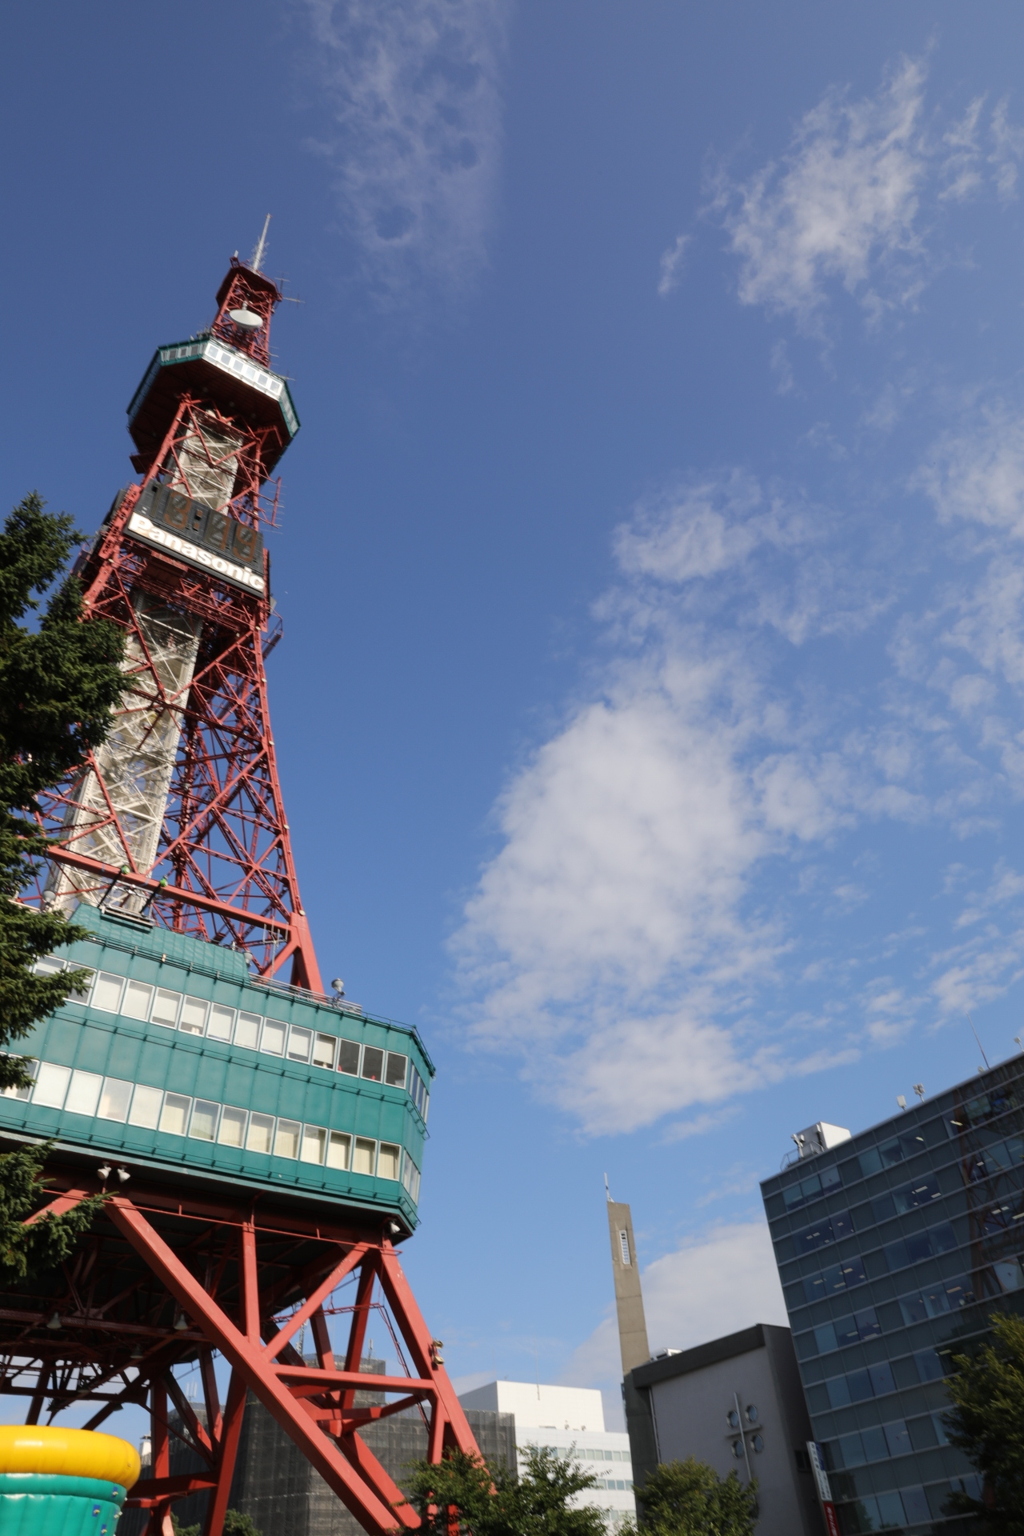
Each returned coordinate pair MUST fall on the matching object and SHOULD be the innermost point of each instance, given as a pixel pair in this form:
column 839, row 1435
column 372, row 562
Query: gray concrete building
column 737, row 1404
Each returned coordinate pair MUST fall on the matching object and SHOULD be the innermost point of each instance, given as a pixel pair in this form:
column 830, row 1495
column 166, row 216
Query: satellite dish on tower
column 248, row 319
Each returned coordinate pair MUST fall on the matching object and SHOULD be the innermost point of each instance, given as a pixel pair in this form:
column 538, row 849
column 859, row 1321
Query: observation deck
column 174, row 1056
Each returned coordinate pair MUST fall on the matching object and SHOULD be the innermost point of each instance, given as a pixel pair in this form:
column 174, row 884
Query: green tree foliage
column 688, row 1498
column 48, row 1241
column 235, row 1524
column 59, row 678
column 987, row 1421
column 462, row 1494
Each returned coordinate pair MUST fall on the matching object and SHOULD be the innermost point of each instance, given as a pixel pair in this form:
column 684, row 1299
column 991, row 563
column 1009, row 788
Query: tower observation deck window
column 114, row 1099
column 300, row 1043
column 222, row 1022
column 165, row 1009
column 84, row 1093
column 51, row 1085
column 106, row 992
column 232, row 1127
column 199, row 1017
column 348, row 1057
column 146, row 1106
column 324, row 1051
column 373, row 1063
column 247, row 1030
column 138, row 1000
column 286, row 1142
column 273, row 1037
column 261, row 1129
column 203, row 1125
column 174, row 1116
column 193, row 1016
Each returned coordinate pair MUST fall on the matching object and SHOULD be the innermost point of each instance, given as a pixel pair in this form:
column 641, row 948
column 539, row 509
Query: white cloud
column 842, row 204
column 413, row 92
column 1007, row 152
column 671, row 266
column 856, row 195
column 978, row 475
column 614, row 940
column 716, row 1283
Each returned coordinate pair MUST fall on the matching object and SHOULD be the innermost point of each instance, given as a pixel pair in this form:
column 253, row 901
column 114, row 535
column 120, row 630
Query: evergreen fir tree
column 59, row 679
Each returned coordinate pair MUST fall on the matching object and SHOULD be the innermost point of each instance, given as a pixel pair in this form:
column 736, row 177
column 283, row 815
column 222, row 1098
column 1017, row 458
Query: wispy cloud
column 672, row 265
column 842, row 204
column 413, row 91
column 614, row 940
column 853, row 200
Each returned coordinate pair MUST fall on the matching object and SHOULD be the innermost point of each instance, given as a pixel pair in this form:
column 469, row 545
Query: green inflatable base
column 45, row 1504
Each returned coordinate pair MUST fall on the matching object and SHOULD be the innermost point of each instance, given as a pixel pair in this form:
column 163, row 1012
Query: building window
column 624, row 1248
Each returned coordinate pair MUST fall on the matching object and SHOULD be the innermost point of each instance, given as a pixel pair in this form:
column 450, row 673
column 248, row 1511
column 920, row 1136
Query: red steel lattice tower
column 212, row 1244
column 180, row 812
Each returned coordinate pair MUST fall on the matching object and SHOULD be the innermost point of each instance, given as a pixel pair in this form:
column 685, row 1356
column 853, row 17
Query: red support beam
column 247, row 1357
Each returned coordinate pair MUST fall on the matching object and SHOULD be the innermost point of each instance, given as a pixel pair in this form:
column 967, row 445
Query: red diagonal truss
column 165, row 1279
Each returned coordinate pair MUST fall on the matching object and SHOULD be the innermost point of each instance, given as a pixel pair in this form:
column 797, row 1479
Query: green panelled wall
column 115, row 1046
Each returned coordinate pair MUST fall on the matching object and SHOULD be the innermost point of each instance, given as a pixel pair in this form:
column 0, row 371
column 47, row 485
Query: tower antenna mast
column 256, row 263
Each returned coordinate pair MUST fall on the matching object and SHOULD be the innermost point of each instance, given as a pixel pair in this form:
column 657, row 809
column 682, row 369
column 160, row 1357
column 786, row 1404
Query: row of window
column 898, row 1438
column 844, row 1331
column 999, row 1157
column 877, row 1380
column 887, row 1154
column 178, row 1114
column 873, row 1160
column 613, row 1482
column 899, row 1255
column 895, row 1202
column 573, row 1453
column 109, row 993
column 936, row 1300
column 906, row 1506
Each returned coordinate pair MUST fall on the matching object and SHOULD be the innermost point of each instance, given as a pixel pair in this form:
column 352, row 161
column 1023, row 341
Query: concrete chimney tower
column 629, row 1300
column 633, row 1345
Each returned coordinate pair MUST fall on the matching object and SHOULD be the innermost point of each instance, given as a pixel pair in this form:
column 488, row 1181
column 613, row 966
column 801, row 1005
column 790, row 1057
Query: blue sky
column 652, row 564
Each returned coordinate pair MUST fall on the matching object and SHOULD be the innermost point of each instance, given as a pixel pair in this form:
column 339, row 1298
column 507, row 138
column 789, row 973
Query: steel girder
column 166, row 1280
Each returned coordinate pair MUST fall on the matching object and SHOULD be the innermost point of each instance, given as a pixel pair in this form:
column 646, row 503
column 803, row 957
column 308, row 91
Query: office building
column 570, row 1422
column 737, row 1404
column 894, row 1247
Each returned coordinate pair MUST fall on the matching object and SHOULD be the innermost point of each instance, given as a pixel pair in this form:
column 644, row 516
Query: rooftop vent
column 819, row 1138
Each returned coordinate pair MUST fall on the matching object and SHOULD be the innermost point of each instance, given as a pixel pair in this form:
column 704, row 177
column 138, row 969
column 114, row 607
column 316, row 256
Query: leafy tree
column 688, row 1498
column 987, row 1421
column 46, row 1242
column 58, row 682
column 463, row 1495
column 235, row 1524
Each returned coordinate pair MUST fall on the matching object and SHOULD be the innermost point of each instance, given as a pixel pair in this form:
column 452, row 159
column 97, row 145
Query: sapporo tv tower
column 259, row 1141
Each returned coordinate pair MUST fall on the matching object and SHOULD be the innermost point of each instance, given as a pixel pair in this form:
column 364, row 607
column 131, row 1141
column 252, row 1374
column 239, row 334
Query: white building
column 568, row 1421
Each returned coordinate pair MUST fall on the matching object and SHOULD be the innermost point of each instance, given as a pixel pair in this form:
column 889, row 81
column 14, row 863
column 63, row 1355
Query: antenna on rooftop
column 607, row 1191
column 261, row 245
column 981, row 1048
